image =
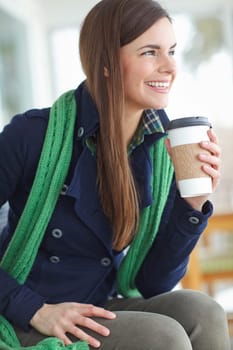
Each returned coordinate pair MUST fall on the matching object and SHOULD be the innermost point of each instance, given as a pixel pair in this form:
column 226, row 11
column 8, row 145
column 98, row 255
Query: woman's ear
column 106, row 72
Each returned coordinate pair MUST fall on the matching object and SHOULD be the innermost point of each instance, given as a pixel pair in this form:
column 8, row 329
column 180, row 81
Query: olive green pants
column 178, row 320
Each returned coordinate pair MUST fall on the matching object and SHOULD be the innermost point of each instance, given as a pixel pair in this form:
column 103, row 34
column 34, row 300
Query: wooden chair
column 212, row 259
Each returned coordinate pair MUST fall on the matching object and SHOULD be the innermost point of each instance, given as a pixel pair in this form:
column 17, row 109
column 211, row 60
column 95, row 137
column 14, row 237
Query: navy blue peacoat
column 76, row 261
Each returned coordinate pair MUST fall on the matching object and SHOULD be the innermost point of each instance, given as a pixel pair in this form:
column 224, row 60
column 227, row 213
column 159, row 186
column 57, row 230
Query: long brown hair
column 110, row 25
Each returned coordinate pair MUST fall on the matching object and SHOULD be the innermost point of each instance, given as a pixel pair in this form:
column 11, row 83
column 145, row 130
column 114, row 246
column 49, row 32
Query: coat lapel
column 87, row 202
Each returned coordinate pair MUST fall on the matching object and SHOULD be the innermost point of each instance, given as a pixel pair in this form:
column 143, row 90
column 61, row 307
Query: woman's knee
column 167, row 333
column 200, row 305
column 204, row 320
column 147, row 331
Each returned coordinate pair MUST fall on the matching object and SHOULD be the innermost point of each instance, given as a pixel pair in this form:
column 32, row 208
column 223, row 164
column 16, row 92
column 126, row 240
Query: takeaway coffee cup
column 185, row 135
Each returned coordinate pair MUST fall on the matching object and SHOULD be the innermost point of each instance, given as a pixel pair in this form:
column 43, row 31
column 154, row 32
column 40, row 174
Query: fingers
column 60, row 320
column 212, row 136
column 78, row 319
column 83, row 319
column 95, row 311
column 82, row 335
column 213, row 145
column 89, row 323
column 65, row 328
column 211, row 159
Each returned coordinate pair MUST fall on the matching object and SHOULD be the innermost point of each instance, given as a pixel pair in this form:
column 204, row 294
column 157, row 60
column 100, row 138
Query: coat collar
column 87, row 114
column 88, row 118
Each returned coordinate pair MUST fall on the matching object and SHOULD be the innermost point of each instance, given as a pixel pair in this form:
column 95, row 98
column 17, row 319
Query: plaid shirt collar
column 150, row 124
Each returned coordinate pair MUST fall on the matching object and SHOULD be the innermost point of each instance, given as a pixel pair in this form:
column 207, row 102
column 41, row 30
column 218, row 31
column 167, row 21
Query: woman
column 71, row 290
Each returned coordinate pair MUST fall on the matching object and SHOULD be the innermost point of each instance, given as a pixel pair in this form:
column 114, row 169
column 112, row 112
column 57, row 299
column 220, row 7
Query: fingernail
column 206, row 167
column 96, row 344
column 203, row 156
column 205, row 143
column 106, row 332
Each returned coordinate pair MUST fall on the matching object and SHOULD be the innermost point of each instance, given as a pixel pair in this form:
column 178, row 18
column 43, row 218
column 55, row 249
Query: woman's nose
column 167, row 64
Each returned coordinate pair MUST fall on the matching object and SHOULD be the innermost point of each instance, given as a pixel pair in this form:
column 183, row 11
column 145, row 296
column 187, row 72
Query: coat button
column 57, row 233
column 64, row 189
column 80, row 131
column 105, row 262
column 194, row 220
column 54, row 259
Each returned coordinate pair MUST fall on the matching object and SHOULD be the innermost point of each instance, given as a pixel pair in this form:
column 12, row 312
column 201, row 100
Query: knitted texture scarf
column 50, row 176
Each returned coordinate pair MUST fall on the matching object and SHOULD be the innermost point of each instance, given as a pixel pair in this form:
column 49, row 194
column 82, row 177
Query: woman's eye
column 150, row 53
column 172, row 53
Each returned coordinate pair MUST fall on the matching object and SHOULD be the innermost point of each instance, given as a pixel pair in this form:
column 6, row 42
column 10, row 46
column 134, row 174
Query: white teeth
column 158, row 84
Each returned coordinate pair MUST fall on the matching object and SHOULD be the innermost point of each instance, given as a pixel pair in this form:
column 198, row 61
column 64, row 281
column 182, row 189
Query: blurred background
column 39, row 60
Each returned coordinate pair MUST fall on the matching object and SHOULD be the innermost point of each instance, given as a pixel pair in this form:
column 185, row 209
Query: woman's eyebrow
column 156, row 47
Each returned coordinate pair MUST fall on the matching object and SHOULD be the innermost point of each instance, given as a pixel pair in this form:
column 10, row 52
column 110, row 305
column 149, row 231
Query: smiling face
column 149, row 68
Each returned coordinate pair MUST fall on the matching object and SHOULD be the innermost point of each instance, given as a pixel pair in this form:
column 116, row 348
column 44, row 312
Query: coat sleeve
column 166, row 262
column 18, row 303
column 20, row 146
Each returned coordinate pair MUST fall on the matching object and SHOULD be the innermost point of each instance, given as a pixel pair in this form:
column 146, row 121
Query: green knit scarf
column 50, row 176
